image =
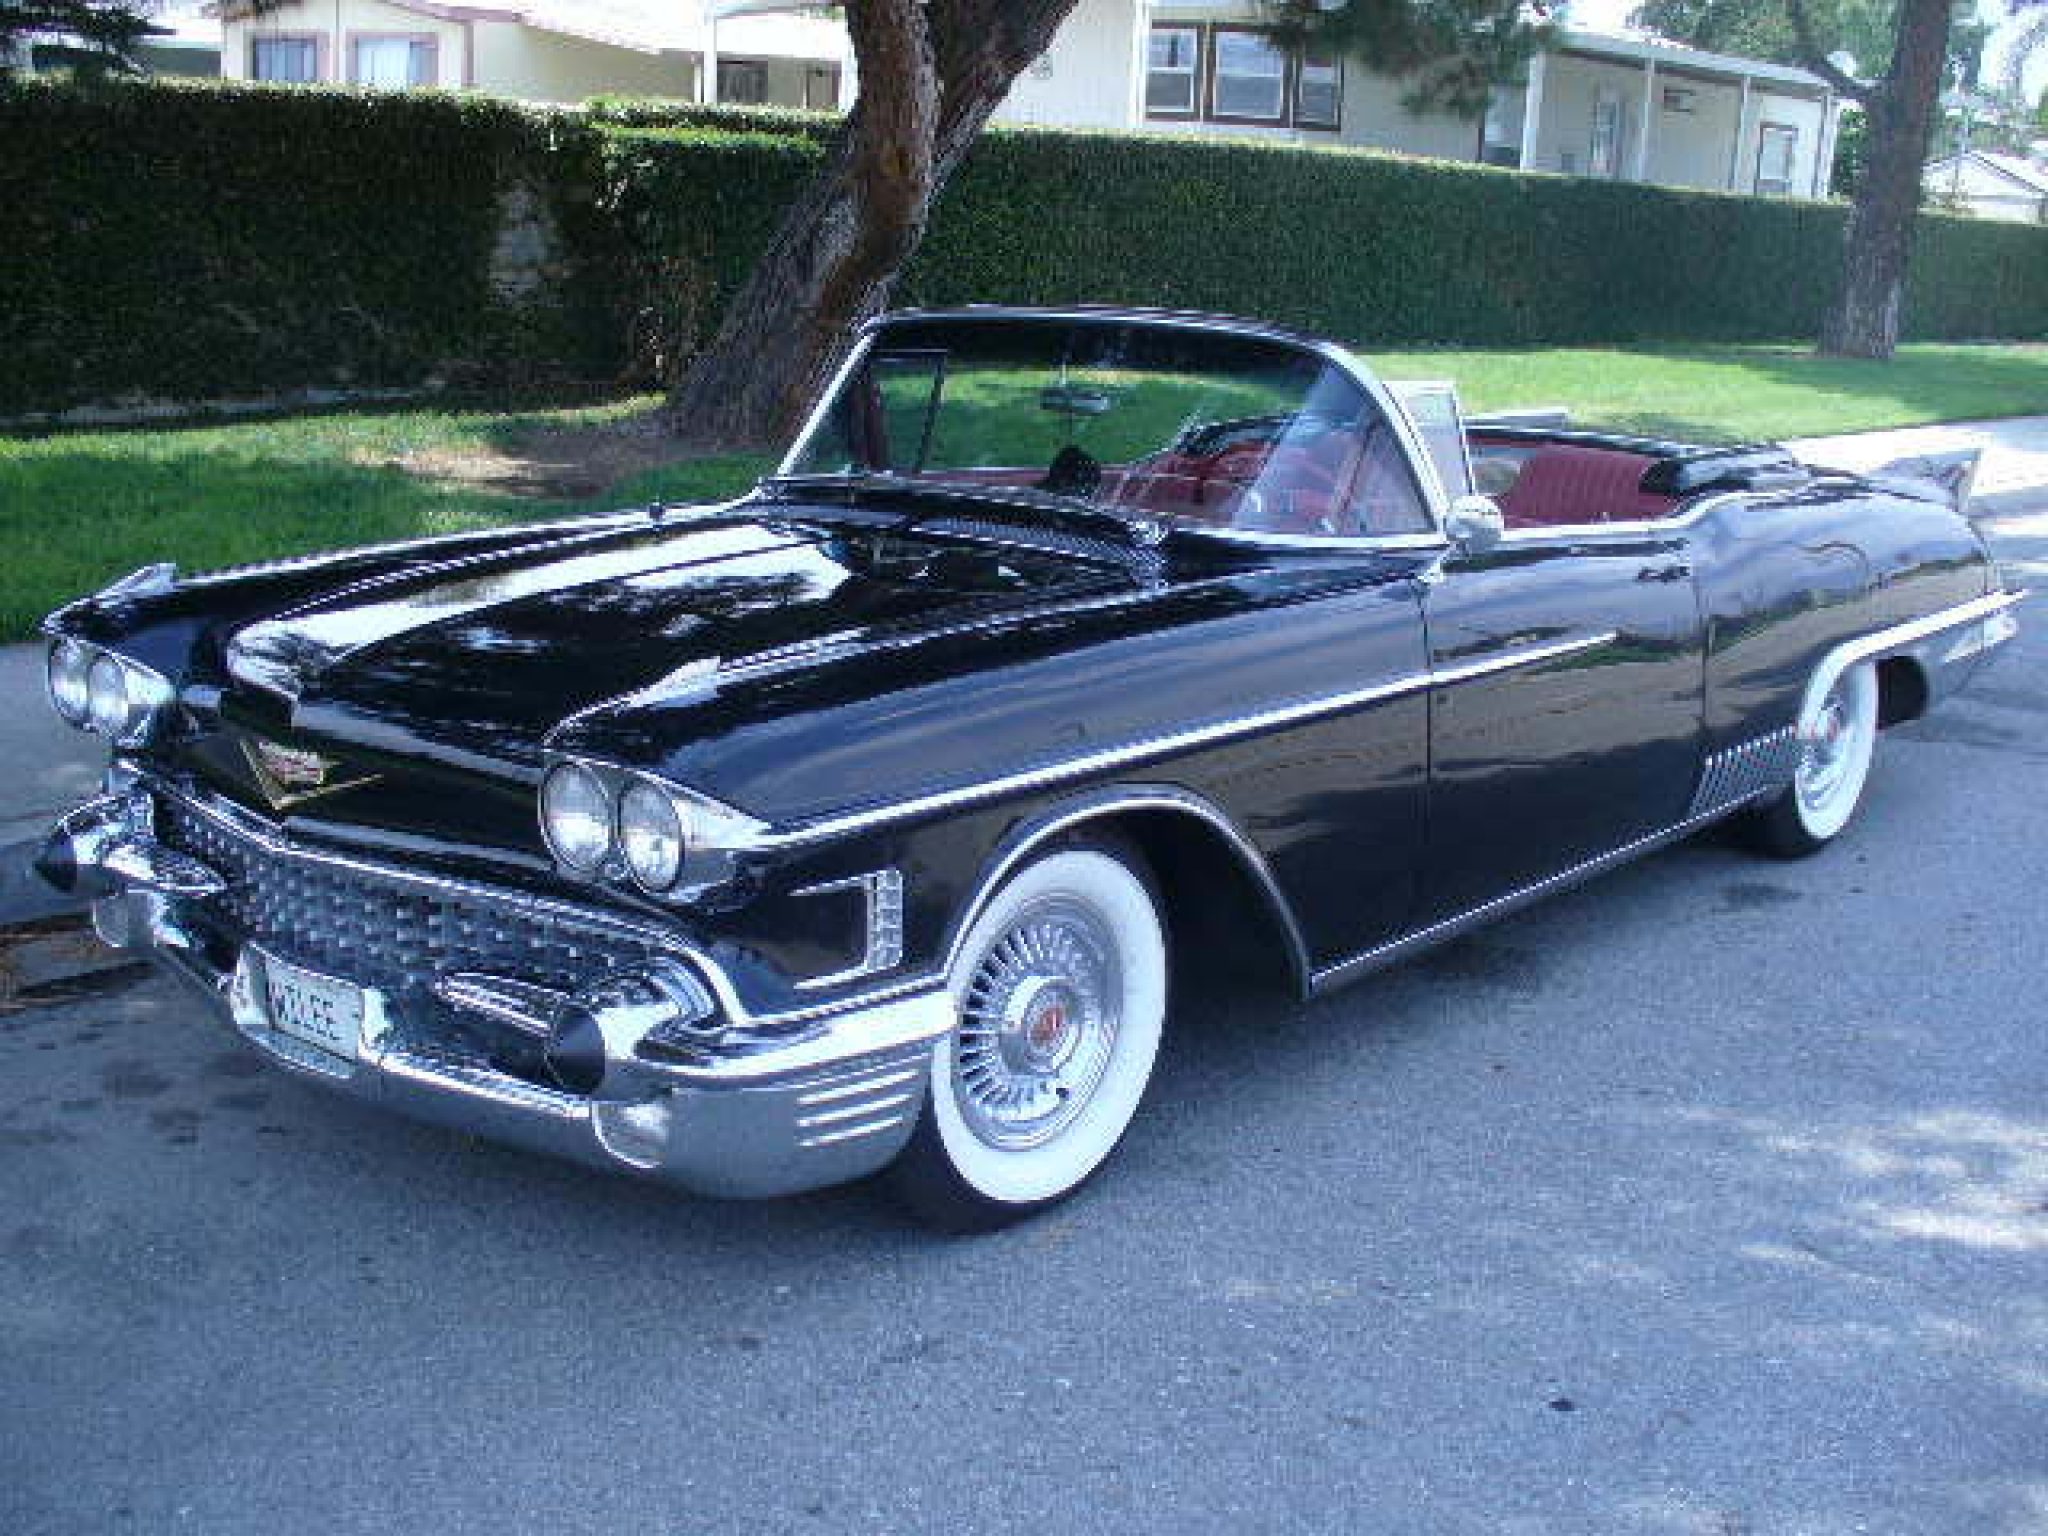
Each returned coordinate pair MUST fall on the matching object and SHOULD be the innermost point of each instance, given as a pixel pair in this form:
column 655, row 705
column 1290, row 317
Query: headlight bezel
column 145, row 700
column 603, row 816
column 69, row 661
column 712, row 835
column 652, row 828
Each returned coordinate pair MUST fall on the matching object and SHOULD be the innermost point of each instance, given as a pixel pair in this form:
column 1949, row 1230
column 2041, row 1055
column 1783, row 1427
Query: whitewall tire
column 1837, row 737
column 1060, row 994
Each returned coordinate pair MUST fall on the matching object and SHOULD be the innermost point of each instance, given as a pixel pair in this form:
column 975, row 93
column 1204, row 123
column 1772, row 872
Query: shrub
column 196, row 241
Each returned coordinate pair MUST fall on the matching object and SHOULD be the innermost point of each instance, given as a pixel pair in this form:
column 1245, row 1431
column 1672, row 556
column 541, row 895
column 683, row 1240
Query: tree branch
column 1845, row 84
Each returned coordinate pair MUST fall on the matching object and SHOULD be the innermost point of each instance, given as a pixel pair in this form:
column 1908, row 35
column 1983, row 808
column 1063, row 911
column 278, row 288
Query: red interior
column 1574, row 483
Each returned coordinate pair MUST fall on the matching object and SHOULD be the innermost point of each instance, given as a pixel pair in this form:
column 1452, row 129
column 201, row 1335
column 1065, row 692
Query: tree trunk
column 1878, row 241
column 830, row 263
column 930, row 75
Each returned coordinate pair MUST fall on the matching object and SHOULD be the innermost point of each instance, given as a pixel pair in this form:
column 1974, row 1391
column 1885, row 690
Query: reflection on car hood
column 477, row 659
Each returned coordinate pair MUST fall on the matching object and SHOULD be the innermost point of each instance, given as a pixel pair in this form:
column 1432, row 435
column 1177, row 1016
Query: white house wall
column 1802, row 112
column 1374, row 117
column 334, row 23
column 1987, row 194
column 1091, row 76
column 1691, row 149
column 545, row 66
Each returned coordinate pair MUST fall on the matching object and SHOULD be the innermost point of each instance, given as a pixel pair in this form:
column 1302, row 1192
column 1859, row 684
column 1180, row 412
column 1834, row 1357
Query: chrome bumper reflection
column 749, row 1114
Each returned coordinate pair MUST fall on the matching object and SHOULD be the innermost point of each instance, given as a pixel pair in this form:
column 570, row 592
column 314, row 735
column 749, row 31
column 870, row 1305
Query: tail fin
column 1950, row 474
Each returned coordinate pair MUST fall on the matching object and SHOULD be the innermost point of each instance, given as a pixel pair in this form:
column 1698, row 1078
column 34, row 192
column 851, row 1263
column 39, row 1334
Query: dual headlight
column 592, row 822
column 96, row 690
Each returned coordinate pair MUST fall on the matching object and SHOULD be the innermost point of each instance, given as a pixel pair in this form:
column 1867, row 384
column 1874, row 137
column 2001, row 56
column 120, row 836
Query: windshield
column 1193, row 427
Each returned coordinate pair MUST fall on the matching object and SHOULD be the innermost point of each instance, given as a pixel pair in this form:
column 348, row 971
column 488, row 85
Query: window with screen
column 1172, row 63
column 392, row 62
column 1250, row 83
column 288, row 60
column 1318, row 90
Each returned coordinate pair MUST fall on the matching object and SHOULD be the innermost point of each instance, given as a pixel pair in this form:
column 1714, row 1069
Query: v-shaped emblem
column 291, row 776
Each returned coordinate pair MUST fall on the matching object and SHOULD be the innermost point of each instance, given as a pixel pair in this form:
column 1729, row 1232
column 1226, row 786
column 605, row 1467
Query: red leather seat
column 1564, row 483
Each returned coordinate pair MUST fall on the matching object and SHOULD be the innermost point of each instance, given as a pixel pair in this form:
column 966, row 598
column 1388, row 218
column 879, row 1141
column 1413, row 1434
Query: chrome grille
column 385, row 929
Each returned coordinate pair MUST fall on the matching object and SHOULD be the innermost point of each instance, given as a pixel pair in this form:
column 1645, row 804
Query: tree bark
column 1878, row 242
column 930, row 75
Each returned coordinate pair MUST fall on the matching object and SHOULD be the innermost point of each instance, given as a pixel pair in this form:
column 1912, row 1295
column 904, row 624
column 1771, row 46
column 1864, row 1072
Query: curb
column 24, row 897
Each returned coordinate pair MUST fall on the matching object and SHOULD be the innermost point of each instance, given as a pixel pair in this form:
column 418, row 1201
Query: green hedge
column 193, row 242
column 189, row 241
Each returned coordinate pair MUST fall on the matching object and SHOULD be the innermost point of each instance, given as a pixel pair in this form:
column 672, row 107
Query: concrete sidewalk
column 45, row 768
column 2012, row 478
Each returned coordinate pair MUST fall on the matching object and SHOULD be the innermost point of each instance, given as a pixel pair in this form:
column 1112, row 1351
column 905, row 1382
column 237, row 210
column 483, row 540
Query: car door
column 1565, row 705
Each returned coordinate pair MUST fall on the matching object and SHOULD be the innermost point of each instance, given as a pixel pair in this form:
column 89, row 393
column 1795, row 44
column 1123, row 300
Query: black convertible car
column 855, row 824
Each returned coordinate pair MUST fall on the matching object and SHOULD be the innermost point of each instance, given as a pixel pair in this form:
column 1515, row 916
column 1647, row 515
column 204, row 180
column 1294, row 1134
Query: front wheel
column 1060, row 991
column 1837, row 734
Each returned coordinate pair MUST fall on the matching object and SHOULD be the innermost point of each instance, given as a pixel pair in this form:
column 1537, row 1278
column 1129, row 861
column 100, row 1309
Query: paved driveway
column 1711, row 1198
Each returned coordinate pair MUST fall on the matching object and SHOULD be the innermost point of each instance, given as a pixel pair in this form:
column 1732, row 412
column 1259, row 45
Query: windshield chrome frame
column 1434, row 497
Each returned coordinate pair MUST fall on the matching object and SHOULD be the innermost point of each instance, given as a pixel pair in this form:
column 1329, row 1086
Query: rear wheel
column 1060, row 991
column 1837, row 735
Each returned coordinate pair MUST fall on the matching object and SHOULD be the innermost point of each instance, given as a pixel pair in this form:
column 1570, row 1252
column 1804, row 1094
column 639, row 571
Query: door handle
column 1675, row 570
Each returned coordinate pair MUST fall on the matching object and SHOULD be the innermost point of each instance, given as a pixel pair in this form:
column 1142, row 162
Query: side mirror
column 1474, row 524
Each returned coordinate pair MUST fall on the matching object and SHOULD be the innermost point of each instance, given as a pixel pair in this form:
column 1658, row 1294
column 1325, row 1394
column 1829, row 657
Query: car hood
column 472, row 663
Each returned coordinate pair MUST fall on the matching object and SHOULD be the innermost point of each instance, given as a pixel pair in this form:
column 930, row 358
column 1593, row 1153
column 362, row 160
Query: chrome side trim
column 1524, row 656
column 1448, row 928
column 1878, row 643
column 1737, row 765
column 1741, row 772
column 1631, row 527
column 1173, row 742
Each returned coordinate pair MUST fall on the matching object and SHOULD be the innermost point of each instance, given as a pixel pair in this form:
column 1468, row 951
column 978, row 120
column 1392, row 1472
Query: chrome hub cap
column 1038, row 1024
column 1824, row 755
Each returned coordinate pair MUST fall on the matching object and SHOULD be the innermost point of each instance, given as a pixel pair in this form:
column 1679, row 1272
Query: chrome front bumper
column 755, row 1107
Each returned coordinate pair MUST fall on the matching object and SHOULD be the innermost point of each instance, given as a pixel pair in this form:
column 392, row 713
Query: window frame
column 1301, row 63
column 418, row 43
column 1204, row 75
column 319, row 41
column 1765, row 132
column 1194, row 71
column 1211, row 113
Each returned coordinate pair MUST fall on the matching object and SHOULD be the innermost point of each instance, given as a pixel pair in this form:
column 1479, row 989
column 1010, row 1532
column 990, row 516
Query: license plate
column 316, row 1009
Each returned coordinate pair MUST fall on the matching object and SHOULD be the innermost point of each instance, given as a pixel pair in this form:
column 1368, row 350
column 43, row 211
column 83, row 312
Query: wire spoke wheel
column 1038, row 1025
column 1060, row 987
column 1837, row 734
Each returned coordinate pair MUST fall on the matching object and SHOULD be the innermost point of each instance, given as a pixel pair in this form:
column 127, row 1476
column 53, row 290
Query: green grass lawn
column 1714, row 394
column 79, row 508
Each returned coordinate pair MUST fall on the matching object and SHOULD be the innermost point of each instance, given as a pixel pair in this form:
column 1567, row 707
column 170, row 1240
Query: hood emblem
column 291, row 776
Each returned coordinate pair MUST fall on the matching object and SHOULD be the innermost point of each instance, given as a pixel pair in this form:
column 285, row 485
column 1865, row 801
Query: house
column 185, row 42
column 1991, row 186
column 545, row 50
column 1624, row 105
column 1620, row 104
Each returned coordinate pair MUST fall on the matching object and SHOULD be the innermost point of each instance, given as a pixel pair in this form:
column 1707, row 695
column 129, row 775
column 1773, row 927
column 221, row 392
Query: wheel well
column 1901, row 691
column 1225, row 922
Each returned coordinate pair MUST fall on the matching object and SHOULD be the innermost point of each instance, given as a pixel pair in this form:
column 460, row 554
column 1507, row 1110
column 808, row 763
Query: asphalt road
column 1711, row 1198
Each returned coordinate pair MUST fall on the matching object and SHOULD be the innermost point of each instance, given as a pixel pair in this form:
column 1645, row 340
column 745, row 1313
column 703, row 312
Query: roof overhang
column 1645, row 48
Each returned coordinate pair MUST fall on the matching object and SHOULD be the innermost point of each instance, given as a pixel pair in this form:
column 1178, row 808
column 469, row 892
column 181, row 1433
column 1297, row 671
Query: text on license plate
column 317, row 1009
